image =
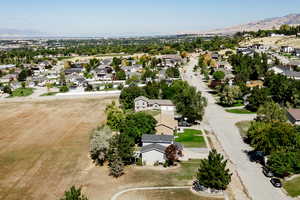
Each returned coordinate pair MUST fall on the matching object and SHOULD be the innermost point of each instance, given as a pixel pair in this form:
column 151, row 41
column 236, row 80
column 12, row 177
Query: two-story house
column 143, row 103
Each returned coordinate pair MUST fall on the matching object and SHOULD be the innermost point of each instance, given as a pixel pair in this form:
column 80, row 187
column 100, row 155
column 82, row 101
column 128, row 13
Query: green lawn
column 239, row 111
column 22, row 92
column 293, row 187
column 49, row 94
column 243, row 127
column 187, row 170
column 191, row 138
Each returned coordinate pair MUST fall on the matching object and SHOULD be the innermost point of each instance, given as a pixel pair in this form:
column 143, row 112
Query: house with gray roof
column 154, row 147
column 143, row 103
column 286, row 71
column 293, row 116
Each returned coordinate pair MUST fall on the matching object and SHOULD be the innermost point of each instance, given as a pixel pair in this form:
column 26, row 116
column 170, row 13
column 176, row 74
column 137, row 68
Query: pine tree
column 74, row 194
column 116, row 167
column 212, row 172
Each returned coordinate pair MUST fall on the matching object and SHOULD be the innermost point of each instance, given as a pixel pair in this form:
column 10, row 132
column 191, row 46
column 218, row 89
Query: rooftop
column 151, row 147
column 147, row 138
column 295, row 113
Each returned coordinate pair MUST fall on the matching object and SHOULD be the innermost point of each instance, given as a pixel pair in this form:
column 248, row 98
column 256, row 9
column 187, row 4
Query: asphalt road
column 222, row 123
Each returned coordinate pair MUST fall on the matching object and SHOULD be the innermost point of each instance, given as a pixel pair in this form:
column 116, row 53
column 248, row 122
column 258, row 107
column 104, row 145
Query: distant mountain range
column 291, row 19
column 17, row 32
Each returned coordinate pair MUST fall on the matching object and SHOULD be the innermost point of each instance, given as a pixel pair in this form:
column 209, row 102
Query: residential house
column 142, row 103
column 166, row 124
column 9, row 77
column 106, row 61
column 154, row 147
column 293, row 116
column 73, row 71
column 225, row 65
column 171, row 60
column 215, row 56
column 5, row 67
column 103, row 72
column 286, row 71
column 245, row 51
column 286, row 49
column 254, row 83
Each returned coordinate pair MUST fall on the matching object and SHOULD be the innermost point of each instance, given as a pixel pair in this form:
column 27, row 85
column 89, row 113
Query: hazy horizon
column 102, row 18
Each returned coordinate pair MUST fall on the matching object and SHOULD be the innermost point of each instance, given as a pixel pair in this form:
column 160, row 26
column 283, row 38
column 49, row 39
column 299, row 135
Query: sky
column 117, row 17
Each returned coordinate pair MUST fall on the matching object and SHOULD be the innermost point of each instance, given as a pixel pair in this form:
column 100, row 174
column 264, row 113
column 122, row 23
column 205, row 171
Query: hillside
column 274, row 41
column 292, row 19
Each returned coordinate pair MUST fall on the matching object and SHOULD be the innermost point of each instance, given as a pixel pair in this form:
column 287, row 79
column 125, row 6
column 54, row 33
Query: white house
column 287, row 49
column 142, row 103
column 154, row 146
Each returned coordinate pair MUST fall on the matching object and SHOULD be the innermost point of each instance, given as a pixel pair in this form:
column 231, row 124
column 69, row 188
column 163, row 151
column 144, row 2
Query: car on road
column 268, row 173
column 276, row 182
column 257, row 156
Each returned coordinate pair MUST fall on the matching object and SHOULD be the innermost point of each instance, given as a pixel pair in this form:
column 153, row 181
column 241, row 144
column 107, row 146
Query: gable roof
column 147, row 138
column 161, row 102
column 151, row 147
column 169, row 127
column 141, row 98
column 295, row 113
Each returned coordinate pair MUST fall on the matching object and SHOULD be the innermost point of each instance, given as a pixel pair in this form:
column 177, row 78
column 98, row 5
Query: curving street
column 222, row 123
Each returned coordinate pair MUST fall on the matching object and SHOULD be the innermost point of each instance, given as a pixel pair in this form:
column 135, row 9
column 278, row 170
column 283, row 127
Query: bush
column 218, row 75
column 139, row 162
column 64, row 89
column 74, row 194
column 7, row 89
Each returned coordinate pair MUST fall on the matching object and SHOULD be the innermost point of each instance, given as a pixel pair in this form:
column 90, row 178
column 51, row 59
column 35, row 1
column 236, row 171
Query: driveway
column 222, row 123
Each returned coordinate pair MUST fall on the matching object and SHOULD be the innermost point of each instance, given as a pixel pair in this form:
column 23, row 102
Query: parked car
column 268, row 173
column 184, row 124
column 276, row 182
column 257, row 156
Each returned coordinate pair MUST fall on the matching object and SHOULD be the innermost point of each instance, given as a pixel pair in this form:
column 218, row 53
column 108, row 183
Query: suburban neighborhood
column 146, row 112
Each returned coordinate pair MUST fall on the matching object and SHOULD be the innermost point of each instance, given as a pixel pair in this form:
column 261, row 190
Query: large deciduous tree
column 271, row 112
column 115, row 116
column 273, row 137
column 229, row 94
column 99, row 144
column 137, row 124
column 258, row 97
column 128, row 95
column 189, row 103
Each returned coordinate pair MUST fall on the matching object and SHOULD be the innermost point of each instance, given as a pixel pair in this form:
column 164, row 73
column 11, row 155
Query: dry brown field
column 44, row 150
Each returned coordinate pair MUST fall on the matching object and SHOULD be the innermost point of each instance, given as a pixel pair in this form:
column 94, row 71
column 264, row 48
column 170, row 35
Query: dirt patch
column 44, row 146
column 174, row 194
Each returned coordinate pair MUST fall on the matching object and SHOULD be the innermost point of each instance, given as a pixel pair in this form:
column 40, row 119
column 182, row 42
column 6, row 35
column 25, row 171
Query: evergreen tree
column 74, row 194
column 213, row 173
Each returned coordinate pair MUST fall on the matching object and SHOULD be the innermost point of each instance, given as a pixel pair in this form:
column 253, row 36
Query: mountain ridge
column 268, row 23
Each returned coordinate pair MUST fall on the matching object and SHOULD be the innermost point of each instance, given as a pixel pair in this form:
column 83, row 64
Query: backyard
column 191, row 138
